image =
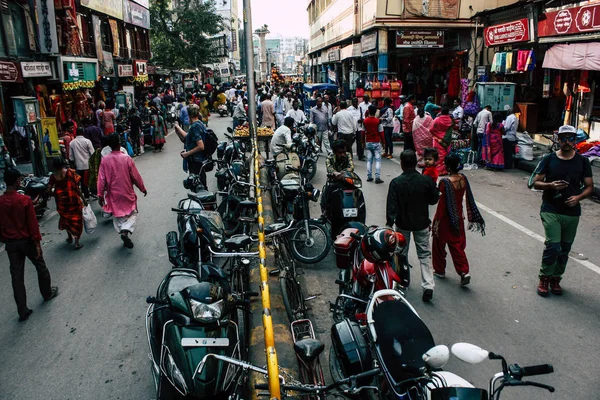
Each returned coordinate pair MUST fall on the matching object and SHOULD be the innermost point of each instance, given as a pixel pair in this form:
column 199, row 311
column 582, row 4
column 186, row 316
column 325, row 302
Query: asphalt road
column 90, row 342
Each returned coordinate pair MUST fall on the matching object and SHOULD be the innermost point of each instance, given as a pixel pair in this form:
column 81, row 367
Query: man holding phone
column 566, row 179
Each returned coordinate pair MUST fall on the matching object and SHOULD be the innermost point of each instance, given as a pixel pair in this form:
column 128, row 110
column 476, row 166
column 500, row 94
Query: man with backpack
column 199, row 144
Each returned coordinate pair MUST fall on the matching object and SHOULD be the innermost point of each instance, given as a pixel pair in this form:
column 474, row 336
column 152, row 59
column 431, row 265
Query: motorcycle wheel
column 277, row 203
column 227, row 210
column 165, row 390
column 293, row 299
column 313, row 250
column 337, row 374
column 311, row 169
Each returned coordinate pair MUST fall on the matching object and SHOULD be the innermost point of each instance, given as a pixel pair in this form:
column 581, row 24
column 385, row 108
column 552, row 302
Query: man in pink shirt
column 116, row 178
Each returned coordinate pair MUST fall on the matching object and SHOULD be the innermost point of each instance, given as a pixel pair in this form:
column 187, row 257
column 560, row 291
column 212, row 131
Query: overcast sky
column 285, row 17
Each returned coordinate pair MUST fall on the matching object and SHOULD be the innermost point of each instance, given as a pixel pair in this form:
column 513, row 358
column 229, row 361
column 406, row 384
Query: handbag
column 360, row 92
column 89, row 219
column 396, row 85
column 376, row 93
column 368, row 93
column 385, row 85
column 394, row 94
column 376, row 84
column 385, row 93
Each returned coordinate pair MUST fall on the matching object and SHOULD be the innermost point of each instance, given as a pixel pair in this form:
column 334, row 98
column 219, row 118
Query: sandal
column 69, row 240
column 78, row 246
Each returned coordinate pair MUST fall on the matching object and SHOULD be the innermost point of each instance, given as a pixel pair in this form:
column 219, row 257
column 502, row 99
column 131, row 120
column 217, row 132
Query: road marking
column 589, row 265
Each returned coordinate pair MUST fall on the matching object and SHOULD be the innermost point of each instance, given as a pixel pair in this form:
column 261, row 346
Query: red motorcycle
column 368, row 259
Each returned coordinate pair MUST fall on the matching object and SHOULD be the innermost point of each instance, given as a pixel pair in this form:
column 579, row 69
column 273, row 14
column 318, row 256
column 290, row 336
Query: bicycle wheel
column 293, row 299
column 312, row 246
column 228, row 210
column 311, row 169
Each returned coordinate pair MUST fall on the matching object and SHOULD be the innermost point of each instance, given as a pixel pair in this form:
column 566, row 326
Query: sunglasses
column 566, row 138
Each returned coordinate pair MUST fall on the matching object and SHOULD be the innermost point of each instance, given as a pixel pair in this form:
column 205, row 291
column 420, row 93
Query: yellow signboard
column 50, row 137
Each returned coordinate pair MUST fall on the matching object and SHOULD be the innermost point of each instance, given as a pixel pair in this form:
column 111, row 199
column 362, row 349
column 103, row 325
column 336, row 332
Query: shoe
column 542, row 289
column 555, row 288
column 26, row 316
column 465, row 279
column 427, row 295
column 391, row 157
column 386, row 155
column 53, row 293
column 441, row 275
column 361, row 159
column 127, row 241
column 369, row 179
column 378, row 180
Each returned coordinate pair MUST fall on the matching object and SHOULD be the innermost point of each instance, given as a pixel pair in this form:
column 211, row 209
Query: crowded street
column 90, row 342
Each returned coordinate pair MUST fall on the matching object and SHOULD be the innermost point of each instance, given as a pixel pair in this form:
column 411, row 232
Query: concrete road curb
column 283, row 337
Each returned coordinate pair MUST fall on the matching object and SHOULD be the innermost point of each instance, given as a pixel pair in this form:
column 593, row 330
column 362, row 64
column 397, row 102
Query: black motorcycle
column 36, row 188
column 345, row 201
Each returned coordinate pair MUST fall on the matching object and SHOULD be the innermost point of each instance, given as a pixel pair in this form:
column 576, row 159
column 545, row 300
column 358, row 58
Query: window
column 20, row 32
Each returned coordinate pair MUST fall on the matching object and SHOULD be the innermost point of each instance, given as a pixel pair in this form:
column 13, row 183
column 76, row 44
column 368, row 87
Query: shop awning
column 576, row 56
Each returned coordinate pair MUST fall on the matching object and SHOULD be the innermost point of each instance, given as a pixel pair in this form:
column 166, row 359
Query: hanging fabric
column 557, row 88
column 509, row 57
column 494, row 63
column 514, row 61
column 546, row 86
column 522, row 60
column 530, row 64
column 454, row 82
column 584, row 86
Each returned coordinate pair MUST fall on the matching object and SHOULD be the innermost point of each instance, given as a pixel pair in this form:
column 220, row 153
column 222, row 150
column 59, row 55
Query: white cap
column 567, row 129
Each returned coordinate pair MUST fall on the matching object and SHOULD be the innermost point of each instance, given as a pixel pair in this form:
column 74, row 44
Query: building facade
column 414, row 41
column 228, row 9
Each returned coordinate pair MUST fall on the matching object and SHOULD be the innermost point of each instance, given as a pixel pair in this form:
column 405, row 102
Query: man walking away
column 319, row 115
column 346, row 124
column 566, row 179
column 408, row 200
column 373, row 144
column 509, row 139
column 116, row 178
column 93, row 133
column 481, row 120
column 408, row 116
column 81, row 150
column 360, row 138
column 135, row 128
column 20, row 231
column 268, row 112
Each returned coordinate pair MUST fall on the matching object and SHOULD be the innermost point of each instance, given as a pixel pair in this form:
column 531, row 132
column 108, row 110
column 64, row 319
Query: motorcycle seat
column 274, row 228
column 309, row 349
column 36, row 187
column 237, row 242
column 248, row 204
column 205, row 196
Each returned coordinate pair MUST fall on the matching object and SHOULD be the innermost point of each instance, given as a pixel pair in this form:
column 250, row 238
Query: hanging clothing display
column 509, row 57
column 546, row 86
column 494, row 65
column 464, row 91
column 584, row 86
column 454, row 82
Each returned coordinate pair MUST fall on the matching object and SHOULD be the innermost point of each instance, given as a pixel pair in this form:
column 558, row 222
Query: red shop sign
column 510, row 32
column 10, row 72
column 571, row 20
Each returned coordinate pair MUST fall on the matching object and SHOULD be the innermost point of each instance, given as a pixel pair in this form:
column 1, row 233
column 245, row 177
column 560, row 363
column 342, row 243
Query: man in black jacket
column 408, row 200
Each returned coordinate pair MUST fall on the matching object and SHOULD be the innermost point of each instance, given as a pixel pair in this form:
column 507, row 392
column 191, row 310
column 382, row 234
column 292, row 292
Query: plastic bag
column 89, row 219
column 471, row 162
column 524, row 149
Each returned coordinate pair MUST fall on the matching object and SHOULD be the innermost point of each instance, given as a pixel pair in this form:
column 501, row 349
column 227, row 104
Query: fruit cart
column 264, row 136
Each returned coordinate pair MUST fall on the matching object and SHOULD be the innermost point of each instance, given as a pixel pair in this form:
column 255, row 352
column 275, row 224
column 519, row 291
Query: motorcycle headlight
column 206, row 312
column 218, row 238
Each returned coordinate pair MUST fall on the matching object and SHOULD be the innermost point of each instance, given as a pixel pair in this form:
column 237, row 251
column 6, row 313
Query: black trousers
column 409, row 143
column 360, row 150
column 194, row 168
column 389, row 144
column 17, row 250
column 84, row 188
column 509, row 153
column 348, row 138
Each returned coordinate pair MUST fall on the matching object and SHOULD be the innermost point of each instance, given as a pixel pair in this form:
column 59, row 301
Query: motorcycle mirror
column 229, row 129
column 437, row 356
column 469, row 353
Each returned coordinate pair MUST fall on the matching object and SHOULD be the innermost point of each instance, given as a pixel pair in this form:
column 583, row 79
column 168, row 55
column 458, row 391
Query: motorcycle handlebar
column 355, row 236
column 324, row 389
column 532, row 370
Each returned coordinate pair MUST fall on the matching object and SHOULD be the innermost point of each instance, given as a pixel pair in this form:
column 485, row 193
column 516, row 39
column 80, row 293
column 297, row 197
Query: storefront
column 78, row 78
column 572, row 65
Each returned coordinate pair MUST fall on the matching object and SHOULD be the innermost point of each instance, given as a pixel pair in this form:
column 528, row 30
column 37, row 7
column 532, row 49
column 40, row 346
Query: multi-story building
column 415, row 41
column 228, row 9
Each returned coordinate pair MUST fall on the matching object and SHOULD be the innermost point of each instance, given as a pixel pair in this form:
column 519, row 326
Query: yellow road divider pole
column 267, row 318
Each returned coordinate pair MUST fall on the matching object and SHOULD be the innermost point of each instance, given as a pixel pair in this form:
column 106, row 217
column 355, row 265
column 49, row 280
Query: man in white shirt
column 481, row 120
column 362, row 107
column 458, row 112
column 231, row 94
column 296, row 113
column 346, row 124
column 80, row 151
column 509, row 139
column 282, row 138
column 355, row 111
column 288, row 103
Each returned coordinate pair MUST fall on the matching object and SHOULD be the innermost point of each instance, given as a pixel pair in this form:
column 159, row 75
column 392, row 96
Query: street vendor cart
column 263, row 135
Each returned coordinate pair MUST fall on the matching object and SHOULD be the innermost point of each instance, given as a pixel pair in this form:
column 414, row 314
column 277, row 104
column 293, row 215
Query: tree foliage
column 181, row 31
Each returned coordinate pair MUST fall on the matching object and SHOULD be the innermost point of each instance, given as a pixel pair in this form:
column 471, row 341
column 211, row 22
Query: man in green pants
column 566, row 179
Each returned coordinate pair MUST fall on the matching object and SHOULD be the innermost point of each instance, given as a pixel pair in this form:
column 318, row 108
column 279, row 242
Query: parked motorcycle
column 171, row 115
column 36, row 188
column 192, row 315
column 393, row 337
column 345, row 201
column 367, row 259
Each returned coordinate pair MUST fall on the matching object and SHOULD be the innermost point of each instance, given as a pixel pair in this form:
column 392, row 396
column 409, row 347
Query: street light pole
column 250, row 84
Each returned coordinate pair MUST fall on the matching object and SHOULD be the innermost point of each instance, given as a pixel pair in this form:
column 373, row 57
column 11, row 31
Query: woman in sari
column 448, row 227
column 492, row 150
column 159, row 130
column 442, row 135
column 69, row 200
column 421, row 132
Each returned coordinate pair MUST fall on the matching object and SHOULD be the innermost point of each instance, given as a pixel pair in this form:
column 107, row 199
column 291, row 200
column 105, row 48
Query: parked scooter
column 394, row 338
column 345, row 201
column 192, row 315
column 35, row 187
